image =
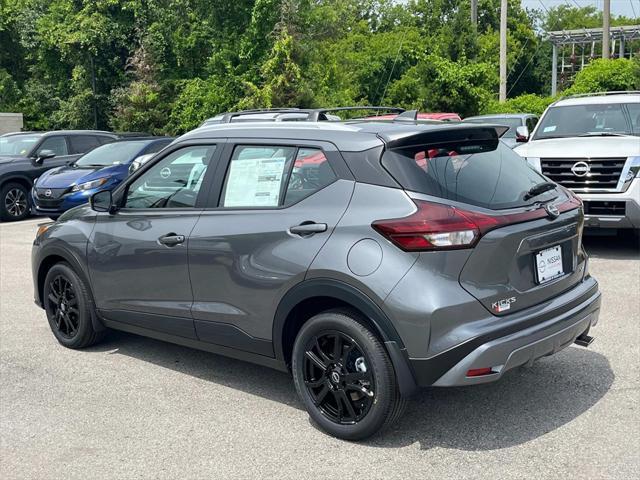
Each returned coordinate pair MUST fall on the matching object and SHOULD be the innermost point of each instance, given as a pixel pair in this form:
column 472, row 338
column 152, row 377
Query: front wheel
column 69, row 308
column 14, row 202
column 344, row 376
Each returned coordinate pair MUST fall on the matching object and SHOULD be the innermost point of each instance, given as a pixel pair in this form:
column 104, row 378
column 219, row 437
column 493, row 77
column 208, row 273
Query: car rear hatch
column 523, row 264
column 474, row 193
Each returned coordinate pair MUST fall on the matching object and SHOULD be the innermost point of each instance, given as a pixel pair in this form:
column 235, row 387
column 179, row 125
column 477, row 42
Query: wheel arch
column 54, row 256
column 24, row 181
column 317, row 295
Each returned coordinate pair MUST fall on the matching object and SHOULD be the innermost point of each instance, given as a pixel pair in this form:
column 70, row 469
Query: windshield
column 19, row 145
column 115, row 153
column 510, row 122
column 487, row 174
column 585, row 120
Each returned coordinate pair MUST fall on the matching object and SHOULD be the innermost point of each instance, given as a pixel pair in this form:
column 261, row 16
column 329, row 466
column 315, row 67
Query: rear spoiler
column 447, row 133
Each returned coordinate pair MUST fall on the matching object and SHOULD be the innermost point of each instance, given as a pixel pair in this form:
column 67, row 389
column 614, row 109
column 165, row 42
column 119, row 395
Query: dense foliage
column 163, row 66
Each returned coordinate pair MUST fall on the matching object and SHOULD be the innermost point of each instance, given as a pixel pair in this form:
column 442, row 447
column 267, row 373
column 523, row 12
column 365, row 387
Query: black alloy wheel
column 344, row 376
column 336, row 377
column 69, row 308
column 63, row 302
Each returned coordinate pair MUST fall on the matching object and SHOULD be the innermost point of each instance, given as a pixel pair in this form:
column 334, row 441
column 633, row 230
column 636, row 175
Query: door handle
column 306, row 229
column 171, row 239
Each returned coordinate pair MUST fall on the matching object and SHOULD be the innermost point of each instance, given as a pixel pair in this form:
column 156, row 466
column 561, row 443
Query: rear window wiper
column 539, row 189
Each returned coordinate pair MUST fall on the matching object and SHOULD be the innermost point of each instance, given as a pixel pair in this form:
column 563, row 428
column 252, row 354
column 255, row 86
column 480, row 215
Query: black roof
column 353, row 136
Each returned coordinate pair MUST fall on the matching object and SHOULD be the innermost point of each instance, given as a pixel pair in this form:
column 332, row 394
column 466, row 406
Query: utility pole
column 503, row 50
column 606, row 29
column 474, row 13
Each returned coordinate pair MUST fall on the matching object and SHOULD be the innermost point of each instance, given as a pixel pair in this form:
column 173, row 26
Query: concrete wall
column 10, row 122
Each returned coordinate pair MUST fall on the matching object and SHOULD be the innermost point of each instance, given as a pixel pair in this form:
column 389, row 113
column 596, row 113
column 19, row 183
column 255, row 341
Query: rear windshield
column 486, row 174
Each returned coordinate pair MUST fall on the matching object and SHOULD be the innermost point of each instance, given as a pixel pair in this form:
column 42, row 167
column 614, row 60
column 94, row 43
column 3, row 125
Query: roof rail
column 319, row 112
column 313, row 114
column 600, row 94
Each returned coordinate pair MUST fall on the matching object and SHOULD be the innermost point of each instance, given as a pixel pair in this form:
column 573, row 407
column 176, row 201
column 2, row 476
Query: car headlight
column 89, row 185
column 635, row 167
column 534, row 162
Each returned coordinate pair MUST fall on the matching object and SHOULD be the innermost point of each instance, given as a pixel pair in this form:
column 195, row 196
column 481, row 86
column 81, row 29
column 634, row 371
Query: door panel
column 243, row 261
column 137, row 279
column 138, row 256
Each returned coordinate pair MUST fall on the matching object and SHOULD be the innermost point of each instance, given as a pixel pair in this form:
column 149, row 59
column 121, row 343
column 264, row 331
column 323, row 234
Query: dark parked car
column 513, row 121
column 59, row 189
column 27, row 155
column 367, row 258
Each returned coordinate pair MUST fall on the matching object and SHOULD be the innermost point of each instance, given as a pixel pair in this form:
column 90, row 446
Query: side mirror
column 43, row 155
column 522, row 134
column 102, row 202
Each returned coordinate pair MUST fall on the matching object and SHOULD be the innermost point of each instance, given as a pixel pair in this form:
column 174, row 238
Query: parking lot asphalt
column 138, row 408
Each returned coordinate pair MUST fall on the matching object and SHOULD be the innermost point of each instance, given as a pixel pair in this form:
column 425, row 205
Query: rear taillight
column 435, row 226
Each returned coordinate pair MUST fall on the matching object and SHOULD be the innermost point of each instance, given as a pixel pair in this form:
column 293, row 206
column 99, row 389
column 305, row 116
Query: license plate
column 549, row 264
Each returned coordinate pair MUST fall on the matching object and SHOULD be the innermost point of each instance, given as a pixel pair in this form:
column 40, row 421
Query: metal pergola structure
column 586, row 36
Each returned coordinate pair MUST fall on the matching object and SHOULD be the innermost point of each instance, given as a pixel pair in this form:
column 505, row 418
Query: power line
column 633, row 9
column 525, row 68
column 394, row 66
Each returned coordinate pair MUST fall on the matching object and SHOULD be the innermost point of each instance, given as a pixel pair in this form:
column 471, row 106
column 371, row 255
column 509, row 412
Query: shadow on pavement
column 525, row 404
column 624, row 246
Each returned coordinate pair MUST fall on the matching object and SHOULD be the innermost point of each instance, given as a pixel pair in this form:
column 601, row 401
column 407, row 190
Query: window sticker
column 254, row 182
column 551, row 128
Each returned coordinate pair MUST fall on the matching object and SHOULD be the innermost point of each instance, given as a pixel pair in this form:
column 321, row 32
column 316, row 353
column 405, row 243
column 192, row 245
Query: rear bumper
column 532, row 337
column 613, row 210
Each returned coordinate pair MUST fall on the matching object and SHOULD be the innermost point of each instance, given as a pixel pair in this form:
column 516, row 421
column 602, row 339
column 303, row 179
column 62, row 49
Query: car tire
column 349, row 391
column 14, row 202
column 69, row 308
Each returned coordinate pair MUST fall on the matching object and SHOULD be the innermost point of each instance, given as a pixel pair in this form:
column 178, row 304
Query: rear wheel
column 14, row 202
column 68, row 306
column 344, row 377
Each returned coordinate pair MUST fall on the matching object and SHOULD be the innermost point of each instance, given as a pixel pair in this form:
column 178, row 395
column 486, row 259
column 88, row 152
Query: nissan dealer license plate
column 549, row 264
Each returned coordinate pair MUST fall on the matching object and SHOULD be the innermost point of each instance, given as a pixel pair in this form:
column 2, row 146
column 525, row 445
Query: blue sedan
column 103, row 168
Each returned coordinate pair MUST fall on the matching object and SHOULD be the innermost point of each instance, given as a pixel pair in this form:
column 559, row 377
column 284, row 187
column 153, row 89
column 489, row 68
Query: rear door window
column 486, row 174
column 274, row 176
column 156, row 146
column 83, row 143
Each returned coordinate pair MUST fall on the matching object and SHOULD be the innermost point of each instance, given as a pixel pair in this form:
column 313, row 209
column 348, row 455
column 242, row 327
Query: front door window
column 174, row 182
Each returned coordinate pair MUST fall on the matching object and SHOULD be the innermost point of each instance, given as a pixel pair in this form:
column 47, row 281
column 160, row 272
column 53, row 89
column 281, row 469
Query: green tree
column 607, row 75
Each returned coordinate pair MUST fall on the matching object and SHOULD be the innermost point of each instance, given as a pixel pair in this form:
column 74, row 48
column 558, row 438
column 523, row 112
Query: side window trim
column 330, row 151
column 120, row 193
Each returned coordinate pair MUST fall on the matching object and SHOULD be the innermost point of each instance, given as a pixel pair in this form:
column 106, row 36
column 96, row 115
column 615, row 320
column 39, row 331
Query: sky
column 628, row 8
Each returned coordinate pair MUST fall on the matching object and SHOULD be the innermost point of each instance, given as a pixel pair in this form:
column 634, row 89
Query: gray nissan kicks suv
column 366, row 258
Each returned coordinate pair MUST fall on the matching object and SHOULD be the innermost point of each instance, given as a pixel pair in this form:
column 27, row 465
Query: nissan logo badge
column 165, row 172
column 580, row 169
column 552, row 210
